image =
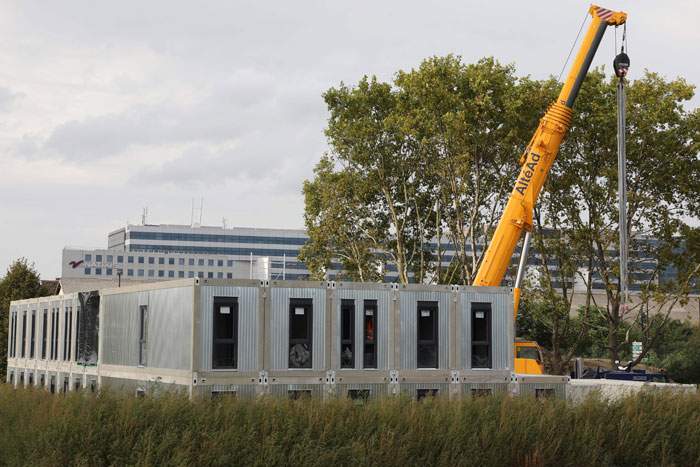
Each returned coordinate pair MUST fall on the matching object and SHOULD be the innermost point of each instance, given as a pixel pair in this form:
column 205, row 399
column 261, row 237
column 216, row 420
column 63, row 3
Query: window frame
column 488, row 343
column 347, row 312
column 44, row 333
column 143, row 335
column 372, row 364
column 32, row 336
column 23, row 351
column 232, row 303
column 307, row 304
column 434, row 308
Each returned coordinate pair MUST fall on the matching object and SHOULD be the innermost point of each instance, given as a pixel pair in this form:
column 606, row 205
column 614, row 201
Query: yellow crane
column 536, row 162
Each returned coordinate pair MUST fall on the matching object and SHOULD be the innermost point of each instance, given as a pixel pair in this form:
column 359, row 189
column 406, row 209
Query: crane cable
column 583, row 23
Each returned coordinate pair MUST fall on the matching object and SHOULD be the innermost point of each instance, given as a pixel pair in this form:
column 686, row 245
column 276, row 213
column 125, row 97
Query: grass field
column 37, row 428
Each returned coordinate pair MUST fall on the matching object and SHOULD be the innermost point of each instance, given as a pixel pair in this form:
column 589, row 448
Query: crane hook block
column 621, row 64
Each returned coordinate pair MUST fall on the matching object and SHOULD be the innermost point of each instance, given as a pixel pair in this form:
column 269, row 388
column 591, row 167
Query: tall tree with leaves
column 20, row 281
column 430, row 158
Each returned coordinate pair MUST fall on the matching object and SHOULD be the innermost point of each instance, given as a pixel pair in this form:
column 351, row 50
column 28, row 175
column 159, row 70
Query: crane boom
column 539, row 155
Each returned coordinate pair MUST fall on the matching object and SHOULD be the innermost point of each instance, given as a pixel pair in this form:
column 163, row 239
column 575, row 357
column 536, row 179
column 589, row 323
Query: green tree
column 20, row 281
column 415, row 164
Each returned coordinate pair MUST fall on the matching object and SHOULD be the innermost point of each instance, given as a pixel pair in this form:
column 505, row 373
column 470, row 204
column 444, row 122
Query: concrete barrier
column 580, row 389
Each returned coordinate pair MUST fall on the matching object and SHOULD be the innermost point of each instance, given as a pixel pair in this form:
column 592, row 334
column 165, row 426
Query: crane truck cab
column 528, row 357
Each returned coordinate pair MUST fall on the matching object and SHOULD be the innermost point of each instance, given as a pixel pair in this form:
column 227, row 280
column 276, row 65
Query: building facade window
column 219, row 275
column 229, row 275
column 181, row 261
column 300, row 333
column 369, row 351
column 190, row 274
column 201, row 262
column 181, row 274
column 220, row 263
column 131, row 259
column 225, row 332
column 229, row 263
column 120, row 259
column 98, row 271
column 171, row 273
column 427, row 335
column 151, row 260
column 161, row 273
column 171, row 261
column 109, row 258
column 143, row 334
column 129, row 272
column 86, row 271
column 211, row 262
column 191, row 262
column 88, row 258
column 108, row 271
column 98, row 258
column 140, row 272
column 141, row 259
column 347, row 334
column 161, row 260
column 77, row 333
column 151, row 273
column 481, row 335
column 210, row 275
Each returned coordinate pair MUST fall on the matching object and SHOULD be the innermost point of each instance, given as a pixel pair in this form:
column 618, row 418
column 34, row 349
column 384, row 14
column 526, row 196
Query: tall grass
column 37, row 428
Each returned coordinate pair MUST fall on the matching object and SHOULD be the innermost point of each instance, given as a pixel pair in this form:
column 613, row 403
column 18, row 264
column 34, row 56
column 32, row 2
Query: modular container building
column 210, row 337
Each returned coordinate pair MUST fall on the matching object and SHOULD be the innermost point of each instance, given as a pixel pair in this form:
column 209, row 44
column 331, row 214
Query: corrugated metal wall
column 278, row 342
column 502, row 332
column 408, row 309
column 169, row 327
column 249, row 322
column 384, row 303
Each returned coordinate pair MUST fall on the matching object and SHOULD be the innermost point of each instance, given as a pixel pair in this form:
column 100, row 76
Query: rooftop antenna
column 223, row 221
column 194, row 223
column 144, row 216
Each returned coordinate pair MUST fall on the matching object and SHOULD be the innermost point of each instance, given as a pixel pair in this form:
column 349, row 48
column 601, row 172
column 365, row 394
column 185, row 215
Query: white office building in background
column 142, row 253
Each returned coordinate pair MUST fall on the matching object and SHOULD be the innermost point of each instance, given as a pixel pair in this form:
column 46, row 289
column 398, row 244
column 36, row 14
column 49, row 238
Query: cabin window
column 300, row 333
column 423, row 393
column 370, row 334
column 44, row 333
column 347, row 334
column 143, row 334
column 427, row 335
column 67, row 328
column 24, row 334
column 225, row 353
column 358, row 394
column 13, row 334
column 295, row 394
column 481, row 335
column 32, row 338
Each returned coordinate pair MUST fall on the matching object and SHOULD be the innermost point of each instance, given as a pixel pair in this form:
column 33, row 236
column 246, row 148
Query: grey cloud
column 8, row 98
column 247, row 103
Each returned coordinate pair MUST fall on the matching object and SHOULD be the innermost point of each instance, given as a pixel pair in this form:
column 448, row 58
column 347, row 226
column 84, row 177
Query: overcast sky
column 107, row 107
